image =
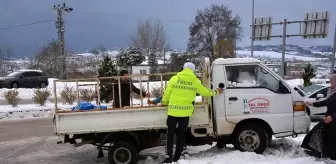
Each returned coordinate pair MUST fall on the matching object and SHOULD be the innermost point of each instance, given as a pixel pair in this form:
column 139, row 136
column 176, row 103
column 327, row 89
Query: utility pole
column 164, row 59
column 252, row 36
column 61, row 10
column 333, row 55
column 284, row 36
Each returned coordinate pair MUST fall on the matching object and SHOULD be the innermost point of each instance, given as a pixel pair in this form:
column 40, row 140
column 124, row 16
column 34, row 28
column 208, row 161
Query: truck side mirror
column 221, row 85
column 318, row 96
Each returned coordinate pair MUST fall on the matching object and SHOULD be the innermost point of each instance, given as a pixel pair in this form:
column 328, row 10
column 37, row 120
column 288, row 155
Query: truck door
column 253, row 92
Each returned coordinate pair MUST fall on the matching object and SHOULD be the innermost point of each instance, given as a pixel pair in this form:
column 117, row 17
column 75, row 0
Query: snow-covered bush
column 68, row 95
column 40, row 96
column 12, row 97
column 87, row 94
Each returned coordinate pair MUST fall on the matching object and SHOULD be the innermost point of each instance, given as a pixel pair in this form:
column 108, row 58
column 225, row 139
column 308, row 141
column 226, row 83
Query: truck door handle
column 233, row 99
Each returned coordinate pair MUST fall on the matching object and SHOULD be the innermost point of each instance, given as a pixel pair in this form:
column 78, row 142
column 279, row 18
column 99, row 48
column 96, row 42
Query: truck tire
column 122, row 152
column 251, row 137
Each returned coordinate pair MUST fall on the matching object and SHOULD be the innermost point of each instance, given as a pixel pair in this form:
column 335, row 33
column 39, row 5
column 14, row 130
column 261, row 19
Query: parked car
column 24, row 79
column 316, row 92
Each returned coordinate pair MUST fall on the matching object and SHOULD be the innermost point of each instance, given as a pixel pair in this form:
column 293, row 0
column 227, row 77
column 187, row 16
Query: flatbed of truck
column 123, row 119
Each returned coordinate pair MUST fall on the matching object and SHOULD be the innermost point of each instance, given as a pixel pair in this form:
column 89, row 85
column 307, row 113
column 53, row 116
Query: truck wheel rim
column 249, row 140
column 122, row 156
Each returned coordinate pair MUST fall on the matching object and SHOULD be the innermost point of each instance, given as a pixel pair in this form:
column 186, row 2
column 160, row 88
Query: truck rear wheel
column 122, row 153
column 251, row 137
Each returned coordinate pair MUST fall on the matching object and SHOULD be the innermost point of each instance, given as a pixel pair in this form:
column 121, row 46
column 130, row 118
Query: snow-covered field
column 276, row 55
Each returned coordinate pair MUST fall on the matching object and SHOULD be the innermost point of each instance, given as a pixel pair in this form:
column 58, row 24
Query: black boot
column 176, row 157
column 169, row 159
column 313, row 153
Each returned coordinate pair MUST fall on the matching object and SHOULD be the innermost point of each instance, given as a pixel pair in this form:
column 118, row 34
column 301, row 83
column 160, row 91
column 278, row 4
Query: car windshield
column 14, row 74
column 312, row 88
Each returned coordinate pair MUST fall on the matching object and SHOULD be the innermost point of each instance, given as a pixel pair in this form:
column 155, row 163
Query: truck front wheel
column 122, row 153
column 251, row 137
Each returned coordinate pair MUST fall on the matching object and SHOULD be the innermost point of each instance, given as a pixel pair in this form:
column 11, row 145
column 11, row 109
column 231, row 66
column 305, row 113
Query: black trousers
column 178, row 126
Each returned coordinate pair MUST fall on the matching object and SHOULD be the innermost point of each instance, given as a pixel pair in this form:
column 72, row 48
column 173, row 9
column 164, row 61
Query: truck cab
column 255, row 105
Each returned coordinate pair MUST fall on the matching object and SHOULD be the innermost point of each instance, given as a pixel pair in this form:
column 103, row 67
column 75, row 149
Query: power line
column 22, row 25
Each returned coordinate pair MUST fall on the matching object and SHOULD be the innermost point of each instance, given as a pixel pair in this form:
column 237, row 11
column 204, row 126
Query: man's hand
column 150, row 102
column 219, row 90
column 327, row 119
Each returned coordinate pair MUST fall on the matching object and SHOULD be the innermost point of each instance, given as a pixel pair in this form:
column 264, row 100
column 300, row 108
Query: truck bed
column 145, row 118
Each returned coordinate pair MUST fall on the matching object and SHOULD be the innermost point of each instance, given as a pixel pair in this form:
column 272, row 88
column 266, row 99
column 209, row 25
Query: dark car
column 24, row 79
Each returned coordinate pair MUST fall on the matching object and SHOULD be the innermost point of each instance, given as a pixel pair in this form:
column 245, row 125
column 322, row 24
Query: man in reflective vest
column 179, row 96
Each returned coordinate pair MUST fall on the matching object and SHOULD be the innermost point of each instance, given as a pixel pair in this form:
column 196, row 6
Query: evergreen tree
column 129, row 57
column 153, row 63
column 309, row 73
column 107, row 69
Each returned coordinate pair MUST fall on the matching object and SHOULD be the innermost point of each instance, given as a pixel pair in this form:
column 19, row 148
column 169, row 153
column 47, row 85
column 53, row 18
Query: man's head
column 189, row 65
column 124, row 74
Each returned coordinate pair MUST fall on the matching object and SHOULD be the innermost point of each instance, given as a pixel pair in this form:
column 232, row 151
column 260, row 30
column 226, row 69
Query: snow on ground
column 45, row 150
column 277, row 55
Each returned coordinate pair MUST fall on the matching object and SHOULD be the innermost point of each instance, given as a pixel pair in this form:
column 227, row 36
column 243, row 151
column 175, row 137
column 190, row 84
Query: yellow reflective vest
column 181, row 92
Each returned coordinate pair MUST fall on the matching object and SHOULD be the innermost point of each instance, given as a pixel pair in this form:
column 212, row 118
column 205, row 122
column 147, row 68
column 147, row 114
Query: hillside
column 309, row 51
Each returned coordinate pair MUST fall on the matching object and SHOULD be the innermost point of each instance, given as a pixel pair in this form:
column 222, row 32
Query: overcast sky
column 113, row 22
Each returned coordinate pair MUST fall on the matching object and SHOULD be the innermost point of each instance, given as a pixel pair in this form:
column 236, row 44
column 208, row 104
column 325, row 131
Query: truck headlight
column 299, row 106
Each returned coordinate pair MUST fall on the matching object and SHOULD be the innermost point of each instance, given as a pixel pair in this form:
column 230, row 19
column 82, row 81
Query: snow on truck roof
column 235, row 61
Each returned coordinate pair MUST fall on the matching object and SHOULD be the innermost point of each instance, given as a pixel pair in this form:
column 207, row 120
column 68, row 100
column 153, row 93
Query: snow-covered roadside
column 282, row 151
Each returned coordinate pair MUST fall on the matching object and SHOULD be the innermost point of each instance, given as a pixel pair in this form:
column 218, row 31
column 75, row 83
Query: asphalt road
column 22, row 129
column 33, row 142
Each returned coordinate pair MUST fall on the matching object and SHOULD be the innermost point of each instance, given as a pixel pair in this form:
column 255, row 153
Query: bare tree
column 6, row 53
column 151, row 39
column 150, row 36
column 48, row 58
column 214, row 32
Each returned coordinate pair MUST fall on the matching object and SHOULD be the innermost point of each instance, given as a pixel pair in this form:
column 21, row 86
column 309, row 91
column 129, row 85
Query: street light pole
column 252, row 36
column 61, row 10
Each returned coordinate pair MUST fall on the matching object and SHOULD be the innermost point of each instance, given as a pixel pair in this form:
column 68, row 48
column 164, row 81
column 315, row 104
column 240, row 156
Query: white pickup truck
column 256, row 104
